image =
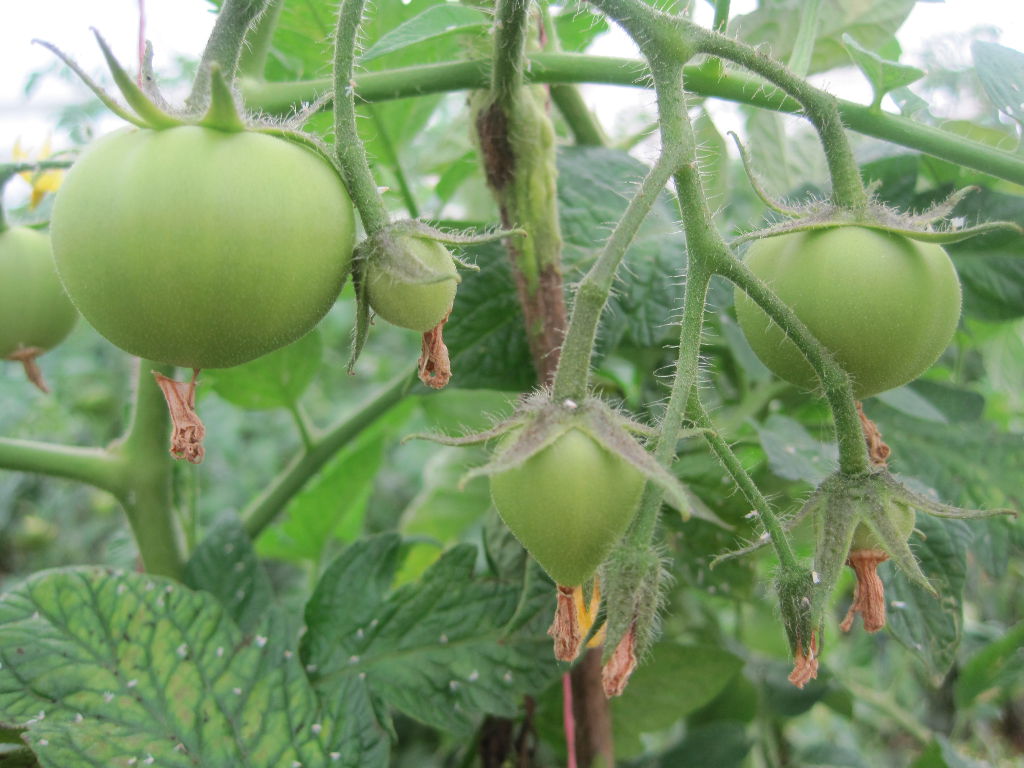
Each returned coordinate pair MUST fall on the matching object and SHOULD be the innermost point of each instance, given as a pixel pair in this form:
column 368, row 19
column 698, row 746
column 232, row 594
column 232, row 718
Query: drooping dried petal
column 619, row 668
column 869, row 593
column 27, row 357
column 187, row 430
column 565, row 629
column 805, row 664
column 435, row 368
column 878, row 451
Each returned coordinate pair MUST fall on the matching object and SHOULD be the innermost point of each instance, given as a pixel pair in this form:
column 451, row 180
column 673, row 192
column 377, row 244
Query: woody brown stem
column 869, row 593
column 27, row 357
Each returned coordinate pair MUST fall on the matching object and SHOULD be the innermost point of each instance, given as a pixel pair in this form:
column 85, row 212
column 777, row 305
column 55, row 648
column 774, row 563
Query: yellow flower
column 42, row 182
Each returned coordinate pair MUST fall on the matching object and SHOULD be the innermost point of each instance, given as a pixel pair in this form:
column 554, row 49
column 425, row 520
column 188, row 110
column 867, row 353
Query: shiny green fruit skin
column 864, row 538
column 569, row 505
column 34, row 311
column 416, row 306
column 201, row 248
column 885, row 305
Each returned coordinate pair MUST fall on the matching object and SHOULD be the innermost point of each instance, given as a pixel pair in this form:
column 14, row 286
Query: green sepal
column 362, row 327
column 633, row 583
column 93, row 86
column 222, row 112
column 755, row 182
column 150, row 113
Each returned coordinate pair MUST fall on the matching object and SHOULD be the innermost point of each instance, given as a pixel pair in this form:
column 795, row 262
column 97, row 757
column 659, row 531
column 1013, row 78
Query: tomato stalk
column 348, row 147
column 223, row 47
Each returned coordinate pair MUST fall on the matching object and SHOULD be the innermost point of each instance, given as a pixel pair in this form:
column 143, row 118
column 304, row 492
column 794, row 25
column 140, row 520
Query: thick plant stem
column 699, row 415
column 253, row 59
column 592, row 293
column 224, row 46
column 348, row 147
column 586, row 131
column 87, row 465
column 426, row 79
column 146, row 492
column 517, row 145
column 262, row 510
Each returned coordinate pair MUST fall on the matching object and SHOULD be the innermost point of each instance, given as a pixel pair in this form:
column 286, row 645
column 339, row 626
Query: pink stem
column 569, row 720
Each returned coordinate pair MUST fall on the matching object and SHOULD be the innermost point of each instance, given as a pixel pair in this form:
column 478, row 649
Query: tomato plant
column 201, row 248
column 884, row 305
column 325, row 590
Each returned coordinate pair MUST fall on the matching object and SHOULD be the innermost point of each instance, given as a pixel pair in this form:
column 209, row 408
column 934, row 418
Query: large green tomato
column 885, row 305
column 34, row 312
column 416, row 306
column 201, row 248
column 569, row 505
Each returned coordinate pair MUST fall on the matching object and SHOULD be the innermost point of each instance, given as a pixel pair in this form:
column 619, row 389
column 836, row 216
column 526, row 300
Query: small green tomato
column 886, row 306
column 416, row 305
column 34, row 311
column 569, row 505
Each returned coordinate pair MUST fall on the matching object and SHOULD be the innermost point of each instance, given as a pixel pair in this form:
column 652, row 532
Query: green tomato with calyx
column 886, row 306
column 407, row 303
column 902, row 519
column 202, row 248
column 569, row 504
column 35, row 313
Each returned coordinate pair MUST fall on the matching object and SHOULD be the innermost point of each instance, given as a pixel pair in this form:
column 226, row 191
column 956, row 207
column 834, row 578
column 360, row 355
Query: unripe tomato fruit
column 416, row 306
column 569, row 505
column 201, row 248
column 34, row 311
column 885, row 305
column 901, row 517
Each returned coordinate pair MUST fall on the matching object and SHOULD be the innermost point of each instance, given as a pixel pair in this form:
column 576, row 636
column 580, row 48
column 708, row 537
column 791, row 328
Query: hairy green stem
column 253, row 59
column 263, row 509
column 721, row 16
column 147, row 491
column 510, row 26
column 573, row 371
column 87, row 465
column 224, row 47
column 820, row 107
column 749, row 489
column 428, row 79
column 348, row 147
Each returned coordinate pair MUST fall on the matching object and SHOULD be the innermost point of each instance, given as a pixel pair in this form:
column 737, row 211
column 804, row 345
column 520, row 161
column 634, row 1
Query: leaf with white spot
column 444, row 650
column 122, row 669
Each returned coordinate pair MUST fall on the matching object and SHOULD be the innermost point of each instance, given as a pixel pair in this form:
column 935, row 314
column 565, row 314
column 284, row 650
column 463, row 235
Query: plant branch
column 593, row 291
column 734, row 86
column 263, row 509
column 253, row 59
column 586, row 131
column 403, row 183
column 349, row 150
column 224, row 47
column 93, row 466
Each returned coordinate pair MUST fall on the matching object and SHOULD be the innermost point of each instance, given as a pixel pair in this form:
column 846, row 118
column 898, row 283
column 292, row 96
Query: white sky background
column 182, row 26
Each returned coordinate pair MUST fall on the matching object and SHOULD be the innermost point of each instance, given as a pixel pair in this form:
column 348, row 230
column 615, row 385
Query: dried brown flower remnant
column 805, row 664
column 187, row 430
column 878, row 451
column 27, row 357
column 435, row 368
column 869, row 593
column 619, row 668
column 574, row 618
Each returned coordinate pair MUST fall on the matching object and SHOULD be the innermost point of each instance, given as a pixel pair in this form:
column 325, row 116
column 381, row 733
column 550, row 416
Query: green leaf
column 435, row 21
column 776, row 22
column 999, row 666
column 1001, row 72
column 941, row 754
column 225, row 565
column 930, row 627
column 883, row 75
column 276, row 380
column 129, row 669
column 722, row 745
column 793, row 453
column 577, row 26
column 675, row 681
column 444, row 650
